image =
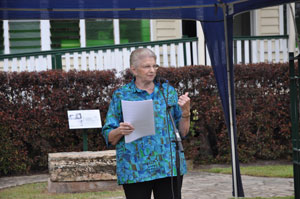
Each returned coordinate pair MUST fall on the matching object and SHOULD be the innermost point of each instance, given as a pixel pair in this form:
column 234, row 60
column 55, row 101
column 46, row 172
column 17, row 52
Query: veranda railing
column 257, row 49
column 179, row 52
column 176, row 53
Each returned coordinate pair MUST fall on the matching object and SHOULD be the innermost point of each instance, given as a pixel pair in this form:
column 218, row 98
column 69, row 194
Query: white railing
column 260, row 49
column 174, row 53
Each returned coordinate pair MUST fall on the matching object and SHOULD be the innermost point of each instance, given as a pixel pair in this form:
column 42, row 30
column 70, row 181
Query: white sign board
column 84, row 119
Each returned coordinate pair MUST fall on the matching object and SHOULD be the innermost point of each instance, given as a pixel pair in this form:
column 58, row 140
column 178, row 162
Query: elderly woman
column 147, row 164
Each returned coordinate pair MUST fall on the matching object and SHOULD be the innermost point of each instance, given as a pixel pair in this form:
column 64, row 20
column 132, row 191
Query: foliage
column 262, row 113
column 33, row 113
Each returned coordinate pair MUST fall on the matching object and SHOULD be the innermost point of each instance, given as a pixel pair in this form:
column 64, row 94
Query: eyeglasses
column 148, row 67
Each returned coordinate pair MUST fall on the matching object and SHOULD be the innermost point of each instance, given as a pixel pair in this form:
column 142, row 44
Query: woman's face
column 146, row 71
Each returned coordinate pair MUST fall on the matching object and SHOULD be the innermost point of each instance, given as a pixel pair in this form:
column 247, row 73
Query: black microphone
column 159, row 79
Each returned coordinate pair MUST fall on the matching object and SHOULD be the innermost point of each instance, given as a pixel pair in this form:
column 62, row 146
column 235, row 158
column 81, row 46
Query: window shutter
column 99, row 32
column 64, row 34
column 134, row 31
column 24, row 36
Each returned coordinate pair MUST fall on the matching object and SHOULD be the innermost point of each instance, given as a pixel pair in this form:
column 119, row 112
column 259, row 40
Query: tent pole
column 230, row 104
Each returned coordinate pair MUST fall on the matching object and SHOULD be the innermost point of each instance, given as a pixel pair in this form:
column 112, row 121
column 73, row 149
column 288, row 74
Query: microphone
column 159, row 79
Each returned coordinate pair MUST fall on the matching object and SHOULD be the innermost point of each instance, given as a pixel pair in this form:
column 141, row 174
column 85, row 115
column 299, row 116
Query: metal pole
column 230, row 105
column 85, row 140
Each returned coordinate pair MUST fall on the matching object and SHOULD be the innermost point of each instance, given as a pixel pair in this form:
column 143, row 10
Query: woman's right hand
column 115, row 135
column 125, row 128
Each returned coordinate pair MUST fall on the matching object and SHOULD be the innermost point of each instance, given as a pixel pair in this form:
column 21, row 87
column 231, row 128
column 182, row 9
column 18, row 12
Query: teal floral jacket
column 150, row 157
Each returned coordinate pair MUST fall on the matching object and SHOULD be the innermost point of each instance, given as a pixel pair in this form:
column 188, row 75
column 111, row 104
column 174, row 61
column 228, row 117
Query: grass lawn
column 39, row 191
column 282, row 171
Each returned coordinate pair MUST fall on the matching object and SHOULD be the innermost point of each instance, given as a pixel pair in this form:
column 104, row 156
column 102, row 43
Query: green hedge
column 33, row 113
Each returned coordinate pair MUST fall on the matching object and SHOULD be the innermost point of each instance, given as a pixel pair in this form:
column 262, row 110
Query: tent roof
column 203, row 10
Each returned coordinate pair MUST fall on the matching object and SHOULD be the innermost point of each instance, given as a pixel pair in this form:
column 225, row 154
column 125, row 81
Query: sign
column 84, row 119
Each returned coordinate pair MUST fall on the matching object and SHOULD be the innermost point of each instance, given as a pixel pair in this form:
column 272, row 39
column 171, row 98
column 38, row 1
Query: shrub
column 33, row 113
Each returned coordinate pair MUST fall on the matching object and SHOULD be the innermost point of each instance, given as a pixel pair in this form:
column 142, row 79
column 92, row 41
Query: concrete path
column 20, row 180
column 200, row 185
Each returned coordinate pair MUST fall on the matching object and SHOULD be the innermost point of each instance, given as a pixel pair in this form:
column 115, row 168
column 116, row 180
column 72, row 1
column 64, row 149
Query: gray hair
column 138, row 54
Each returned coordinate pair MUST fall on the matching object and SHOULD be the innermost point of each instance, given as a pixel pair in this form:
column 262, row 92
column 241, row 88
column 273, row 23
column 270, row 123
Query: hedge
column 33, row 113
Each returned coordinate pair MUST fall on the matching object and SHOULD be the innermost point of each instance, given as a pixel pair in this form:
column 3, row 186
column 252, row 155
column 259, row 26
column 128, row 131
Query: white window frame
column 116, row 27
column 82, row 33
column 6, row 37
column 45, row 35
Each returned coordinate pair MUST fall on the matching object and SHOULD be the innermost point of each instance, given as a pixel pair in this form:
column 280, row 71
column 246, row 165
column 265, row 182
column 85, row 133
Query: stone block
column 78, row 187
column 82, row 166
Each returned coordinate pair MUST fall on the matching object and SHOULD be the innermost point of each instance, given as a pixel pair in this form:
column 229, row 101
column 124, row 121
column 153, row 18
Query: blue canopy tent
column 216, row 17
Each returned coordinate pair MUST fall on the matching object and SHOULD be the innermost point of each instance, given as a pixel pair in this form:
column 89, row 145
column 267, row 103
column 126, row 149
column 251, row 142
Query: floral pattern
column 149, row 157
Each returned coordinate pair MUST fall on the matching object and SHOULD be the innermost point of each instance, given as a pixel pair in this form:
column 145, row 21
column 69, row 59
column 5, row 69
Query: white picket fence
column 175, row 53
column 27, row 63
column 260, row 49
column 167, row 55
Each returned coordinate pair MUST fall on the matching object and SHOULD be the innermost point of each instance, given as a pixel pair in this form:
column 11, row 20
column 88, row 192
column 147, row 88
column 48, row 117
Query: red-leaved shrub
column 33, row 113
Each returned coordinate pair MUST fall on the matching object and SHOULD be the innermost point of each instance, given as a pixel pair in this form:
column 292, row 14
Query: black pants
column 161, row 189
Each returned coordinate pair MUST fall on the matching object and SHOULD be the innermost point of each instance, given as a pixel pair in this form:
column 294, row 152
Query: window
column 64, row 34
column 134, row 31
column 189, row 28
column 24, row 36
column 99, row 32
column 242, row 25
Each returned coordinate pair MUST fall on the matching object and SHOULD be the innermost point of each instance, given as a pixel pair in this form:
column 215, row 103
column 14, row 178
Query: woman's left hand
column 184, row 102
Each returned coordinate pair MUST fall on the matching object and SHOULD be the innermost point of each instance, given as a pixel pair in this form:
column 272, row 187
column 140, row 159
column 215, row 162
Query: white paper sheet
column 140, row 115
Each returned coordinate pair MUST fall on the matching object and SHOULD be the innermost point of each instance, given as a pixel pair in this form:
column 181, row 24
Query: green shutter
column 145, row 25
column 64, row 34
column 99, row 32
column 1, row 38
column 134, row 31
column 24, row 36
